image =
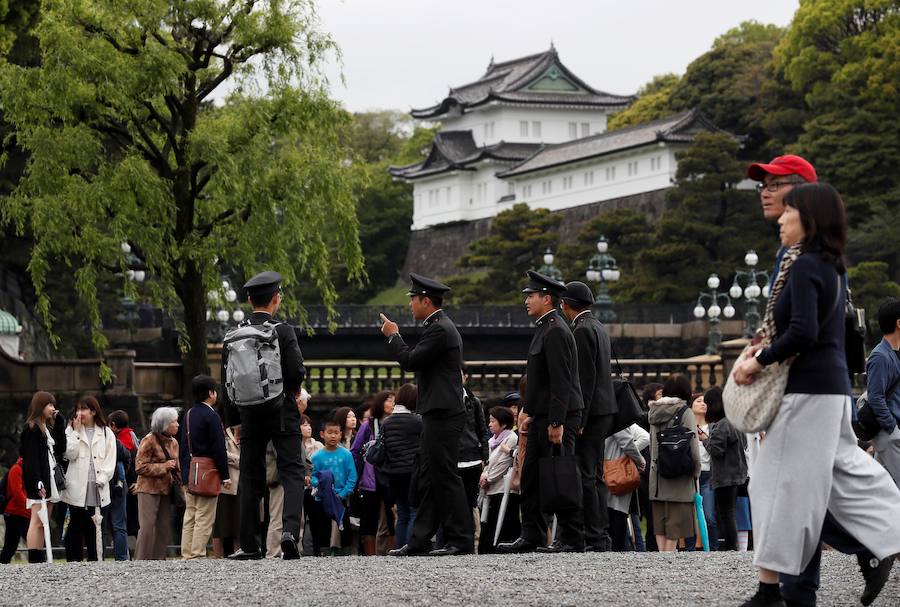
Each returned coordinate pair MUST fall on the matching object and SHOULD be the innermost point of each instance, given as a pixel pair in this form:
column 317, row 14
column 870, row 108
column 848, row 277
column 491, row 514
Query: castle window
column 585, row 129
column 573, row 130
column 523, row 128
column 610, row 173
column 536, row 129
column 547, row 187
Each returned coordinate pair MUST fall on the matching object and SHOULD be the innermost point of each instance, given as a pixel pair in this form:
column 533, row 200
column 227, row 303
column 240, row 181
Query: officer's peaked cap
column 539, row 283
column 264, row 283
column 422, row 285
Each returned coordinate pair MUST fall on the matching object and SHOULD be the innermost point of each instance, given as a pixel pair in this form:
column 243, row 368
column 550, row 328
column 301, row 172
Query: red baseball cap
column 783, row 165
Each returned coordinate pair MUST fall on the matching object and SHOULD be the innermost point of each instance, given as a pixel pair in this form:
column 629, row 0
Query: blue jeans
column 709, row 513
column 406, row 514
column 639, row 545
column 118, row 520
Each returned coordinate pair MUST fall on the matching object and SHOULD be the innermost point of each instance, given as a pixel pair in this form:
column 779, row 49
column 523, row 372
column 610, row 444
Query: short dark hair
column 330, row 421
column 888, row 315
column 119, row 419
column 715, row 407
column 578, row 306
column 201, row 386
column 261, row 300
column 377, row 409
column 824, row 221
column 503, row 415
column 436, row 300
column 407, row 396
column 678, row 386
column 304, row 419
column 648, row 392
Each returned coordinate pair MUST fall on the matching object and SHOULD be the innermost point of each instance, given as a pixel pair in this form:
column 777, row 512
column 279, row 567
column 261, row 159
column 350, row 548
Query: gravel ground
column 631, row 579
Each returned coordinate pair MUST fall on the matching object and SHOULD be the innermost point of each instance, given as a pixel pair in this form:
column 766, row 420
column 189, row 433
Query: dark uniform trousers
column 534, row 520
column 589, row 449
column 278, row 422
column 441, row 495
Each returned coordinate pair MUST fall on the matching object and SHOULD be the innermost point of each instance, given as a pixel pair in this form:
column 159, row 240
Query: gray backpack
column 253, row 366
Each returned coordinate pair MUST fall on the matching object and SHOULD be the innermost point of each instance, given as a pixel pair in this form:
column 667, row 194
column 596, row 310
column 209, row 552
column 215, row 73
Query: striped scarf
column 768, row 330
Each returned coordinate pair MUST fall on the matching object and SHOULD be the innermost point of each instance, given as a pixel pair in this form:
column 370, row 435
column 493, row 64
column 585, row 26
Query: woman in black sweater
column 809, row 462
column 728, row 465
column 401, row 433
column 36, row 447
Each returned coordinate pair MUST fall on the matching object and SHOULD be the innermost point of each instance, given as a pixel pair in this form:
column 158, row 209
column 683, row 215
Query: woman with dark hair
column 91, row 452
column 502, row 449
column 650, row 391
column 401, row 433
column 372, row 493
column 346, row 417
column 804, row 327
column 36, row 447
column 727, row 450
column 673, row 498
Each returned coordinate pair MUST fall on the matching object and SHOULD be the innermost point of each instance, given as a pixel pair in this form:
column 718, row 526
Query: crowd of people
column 430, row 469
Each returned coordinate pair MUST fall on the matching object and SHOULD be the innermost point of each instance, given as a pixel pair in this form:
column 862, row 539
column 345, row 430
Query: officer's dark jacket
column 553, row 388
column 437, row 363
column 292, row 370
column 473, row 442
column 593, row 345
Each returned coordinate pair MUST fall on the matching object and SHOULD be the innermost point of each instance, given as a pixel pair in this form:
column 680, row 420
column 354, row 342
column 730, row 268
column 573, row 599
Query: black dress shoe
column 875, row 574
column 240, row 555
column 289, row 550
column 557, row 547
column 449, row 551
column 519, row 546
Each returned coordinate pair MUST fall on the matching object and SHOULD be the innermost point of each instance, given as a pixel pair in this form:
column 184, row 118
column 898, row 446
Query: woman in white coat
column 91, row 452
column 502, row 446
column 630, row 441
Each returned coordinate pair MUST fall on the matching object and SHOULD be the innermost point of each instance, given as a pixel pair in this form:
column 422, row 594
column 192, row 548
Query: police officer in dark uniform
column 599, row 412
column 278, row 421
column 437, row 362
column 553, row 401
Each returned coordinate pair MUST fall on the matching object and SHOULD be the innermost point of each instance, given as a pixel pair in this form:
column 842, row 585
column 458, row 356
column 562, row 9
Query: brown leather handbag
column 621, row 475
column 203, row 476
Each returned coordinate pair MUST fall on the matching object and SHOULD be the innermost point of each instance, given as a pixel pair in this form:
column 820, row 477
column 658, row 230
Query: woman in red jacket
column 16, row 515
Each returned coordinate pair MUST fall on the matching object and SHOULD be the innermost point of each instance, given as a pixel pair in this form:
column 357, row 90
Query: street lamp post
column 714, row 298
column 751, row 292
column 602, row 269
column 548, row 269
column 218, row 320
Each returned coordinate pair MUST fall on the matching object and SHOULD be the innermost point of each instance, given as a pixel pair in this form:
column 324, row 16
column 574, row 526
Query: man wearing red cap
column 777, row 178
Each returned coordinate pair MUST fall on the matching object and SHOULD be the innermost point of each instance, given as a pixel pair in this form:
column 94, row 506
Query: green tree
column 652, row 103
column 628, row 232
column 707, row 227
column 125, row 146
column 518, row 237
column 870, row 284
column 843, row 57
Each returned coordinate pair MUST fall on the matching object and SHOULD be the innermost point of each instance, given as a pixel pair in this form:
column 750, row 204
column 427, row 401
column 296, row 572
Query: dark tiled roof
column 456, row 151
column 679, row 128
column 508, row 81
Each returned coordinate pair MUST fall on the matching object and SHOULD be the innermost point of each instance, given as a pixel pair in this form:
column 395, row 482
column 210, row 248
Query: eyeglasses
column 772, row 186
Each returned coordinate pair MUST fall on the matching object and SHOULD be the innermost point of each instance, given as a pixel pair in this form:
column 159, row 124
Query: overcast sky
column 402, row 54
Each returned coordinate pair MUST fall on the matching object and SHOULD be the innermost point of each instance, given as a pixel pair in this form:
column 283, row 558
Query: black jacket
column 594, row 369
column 728, row 457
column 473, row 442
column 553, row 389
column 292, row 371
column 207, row 440
column 437, row 363
column 401, row 433
column 35, row 463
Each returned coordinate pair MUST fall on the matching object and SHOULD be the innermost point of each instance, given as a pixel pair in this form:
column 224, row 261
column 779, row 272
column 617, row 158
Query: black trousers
column 81, row 534
column 534, row 520
column 278, row 422
column 726, row 500
column 512, row 526
column 589, row 448
column 618, row 531
column 440, row 491
column 16, row 529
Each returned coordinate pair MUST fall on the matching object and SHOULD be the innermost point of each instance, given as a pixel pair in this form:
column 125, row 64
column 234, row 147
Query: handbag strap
column 187, row 423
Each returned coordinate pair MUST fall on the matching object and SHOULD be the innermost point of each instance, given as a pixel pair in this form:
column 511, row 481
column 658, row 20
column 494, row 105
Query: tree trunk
column 193, row 300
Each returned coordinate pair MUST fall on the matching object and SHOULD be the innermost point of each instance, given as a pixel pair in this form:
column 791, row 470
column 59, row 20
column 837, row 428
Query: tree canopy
column 126, row 146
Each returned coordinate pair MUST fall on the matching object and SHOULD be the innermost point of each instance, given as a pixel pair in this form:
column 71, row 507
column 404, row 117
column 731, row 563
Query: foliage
column 518, row 237
column 652, row 103
column 125, row 146
column 708, row 226
column 870, row 285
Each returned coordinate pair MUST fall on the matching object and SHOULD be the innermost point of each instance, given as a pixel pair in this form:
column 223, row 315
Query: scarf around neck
column 769, row 330
column 494, row 441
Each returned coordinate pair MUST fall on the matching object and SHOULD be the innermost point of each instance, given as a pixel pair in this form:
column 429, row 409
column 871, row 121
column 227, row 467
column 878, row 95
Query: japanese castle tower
column 529, row 130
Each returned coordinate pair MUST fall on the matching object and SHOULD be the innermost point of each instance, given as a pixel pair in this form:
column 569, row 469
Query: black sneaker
column 766, row 598
column 289, row 550
column 875, row 574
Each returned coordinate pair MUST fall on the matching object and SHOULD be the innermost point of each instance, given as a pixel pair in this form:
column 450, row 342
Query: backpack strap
column 676, row 420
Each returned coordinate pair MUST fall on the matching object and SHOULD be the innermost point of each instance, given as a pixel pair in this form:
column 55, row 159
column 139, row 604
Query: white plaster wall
column 506, row 123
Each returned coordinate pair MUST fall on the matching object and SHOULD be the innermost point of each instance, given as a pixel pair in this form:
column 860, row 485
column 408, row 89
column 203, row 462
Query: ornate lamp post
column 751, row 291
column 714, row 298
column 218, row 320
column 602, row 269
column 548, row 269
column 135, row 273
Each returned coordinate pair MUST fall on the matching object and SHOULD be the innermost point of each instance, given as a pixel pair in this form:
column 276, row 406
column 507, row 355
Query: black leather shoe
column 519, row 546
column 601, row 547
column 289, row 550
column 449, row 551
column 240, row 555
column 405, row 550
column 557, row 547
column 875, row 574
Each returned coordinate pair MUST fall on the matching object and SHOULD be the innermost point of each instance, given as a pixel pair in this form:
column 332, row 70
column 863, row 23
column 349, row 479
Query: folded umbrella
column 44, row 517
column 504, row 502
column 701, row 521
column 98, row 528
column 483, row 503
